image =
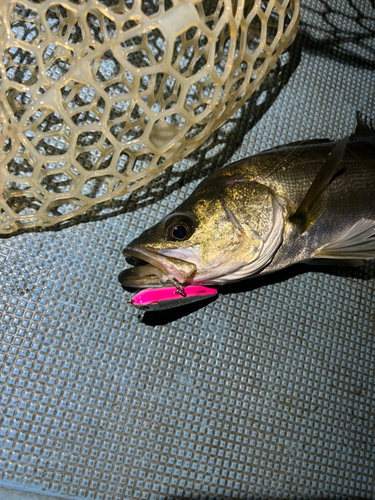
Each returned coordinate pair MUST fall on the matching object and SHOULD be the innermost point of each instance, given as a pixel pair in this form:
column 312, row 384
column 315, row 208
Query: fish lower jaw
column 141, row 277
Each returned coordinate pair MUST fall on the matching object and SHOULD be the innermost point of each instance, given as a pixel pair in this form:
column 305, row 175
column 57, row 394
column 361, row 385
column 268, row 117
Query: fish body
column 294, row 203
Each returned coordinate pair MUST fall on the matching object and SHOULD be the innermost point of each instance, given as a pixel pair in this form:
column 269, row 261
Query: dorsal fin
column 312, row 204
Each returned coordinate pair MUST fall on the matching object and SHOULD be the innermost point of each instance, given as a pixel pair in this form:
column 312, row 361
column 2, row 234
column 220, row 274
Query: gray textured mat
column 266, row 392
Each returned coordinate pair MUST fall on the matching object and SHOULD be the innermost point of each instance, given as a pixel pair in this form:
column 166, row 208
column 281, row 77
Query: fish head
column 223, row 232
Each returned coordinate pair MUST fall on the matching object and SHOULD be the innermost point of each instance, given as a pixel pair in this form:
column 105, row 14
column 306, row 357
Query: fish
column 307, row 202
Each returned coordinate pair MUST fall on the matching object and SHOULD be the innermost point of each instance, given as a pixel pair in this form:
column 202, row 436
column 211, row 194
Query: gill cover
column 257, row 213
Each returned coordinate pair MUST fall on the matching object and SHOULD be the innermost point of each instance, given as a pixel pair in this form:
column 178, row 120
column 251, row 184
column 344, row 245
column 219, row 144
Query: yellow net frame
column 98, row 97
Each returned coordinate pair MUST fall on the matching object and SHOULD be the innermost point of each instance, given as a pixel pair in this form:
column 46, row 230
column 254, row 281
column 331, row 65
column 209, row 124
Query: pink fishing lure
column 154, row 299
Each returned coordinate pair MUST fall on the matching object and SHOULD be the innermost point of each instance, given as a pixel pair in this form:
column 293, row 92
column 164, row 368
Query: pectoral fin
column 356, row 243
column 313, row 203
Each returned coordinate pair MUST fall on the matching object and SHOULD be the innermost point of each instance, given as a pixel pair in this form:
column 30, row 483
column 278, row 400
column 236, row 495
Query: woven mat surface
column 266, row 392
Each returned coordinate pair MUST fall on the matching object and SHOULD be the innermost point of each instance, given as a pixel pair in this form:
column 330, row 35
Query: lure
column 156, row 299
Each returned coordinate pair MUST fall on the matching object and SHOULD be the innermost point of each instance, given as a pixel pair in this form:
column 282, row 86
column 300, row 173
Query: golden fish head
column 223, row 232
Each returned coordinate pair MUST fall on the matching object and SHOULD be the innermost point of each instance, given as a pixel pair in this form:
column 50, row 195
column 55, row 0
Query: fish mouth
column 152, row 269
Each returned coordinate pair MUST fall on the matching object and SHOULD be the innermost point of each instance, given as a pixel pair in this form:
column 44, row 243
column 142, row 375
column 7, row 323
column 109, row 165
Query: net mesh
column 98, row 97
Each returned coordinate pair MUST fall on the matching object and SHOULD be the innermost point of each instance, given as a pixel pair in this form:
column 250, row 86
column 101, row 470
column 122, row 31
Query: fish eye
column 179, row 227
column 180, row 231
